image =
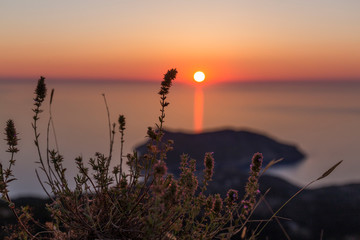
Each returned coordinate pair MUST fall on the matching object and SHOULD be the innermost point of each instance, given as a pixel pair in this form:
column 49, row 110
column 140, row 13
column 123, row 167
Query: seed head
column 160, row 169
column 151, row 133
column 232, row 196
column 121, row 123
column 11, row 136
column 167, row 82
column 40, row 91
column 217, row 204
column 252, row 186
column 209, row 166
column 256, row 162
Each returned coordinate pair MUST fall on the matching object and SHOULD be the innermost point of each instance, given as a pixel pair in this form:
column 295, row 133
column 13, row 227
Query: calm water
column 321, row 118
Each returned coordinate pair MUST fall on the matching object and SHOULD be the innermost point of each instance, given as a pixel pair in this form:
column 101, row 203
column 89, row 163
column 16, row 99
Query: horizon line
column 119, row 80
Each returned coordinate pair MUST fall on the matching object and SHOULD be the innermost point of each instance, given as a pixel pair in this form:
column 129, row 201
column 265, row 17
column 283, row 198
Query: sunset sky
column 139, row 40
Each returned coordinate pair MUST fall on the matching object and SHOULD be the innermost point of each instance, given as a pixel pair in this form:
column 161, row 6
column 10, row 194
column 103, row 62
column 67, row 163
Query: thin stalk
column 121, row 152
column 52, row 121
column 42, row 185
column 50, row 170
column 325, row 174
column 111, row 135
column 277, row 220
column 109, row 123
column 11, row 163
column 282, row 206
column 36, row 134
column 162, row 110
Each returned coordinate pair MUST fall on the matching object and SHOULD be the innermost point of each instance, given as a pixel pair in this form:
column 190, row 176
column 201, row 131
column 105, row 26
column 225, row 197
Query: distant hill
column 232, row 149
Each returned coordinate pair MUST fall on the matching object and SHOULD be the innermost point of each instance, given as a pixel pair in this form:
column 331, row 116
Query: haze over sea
column 321, row 118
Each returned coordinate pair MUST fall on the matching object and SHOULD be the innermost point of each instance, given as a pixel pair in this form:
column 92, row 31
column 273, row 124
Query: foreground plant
column 143, row 203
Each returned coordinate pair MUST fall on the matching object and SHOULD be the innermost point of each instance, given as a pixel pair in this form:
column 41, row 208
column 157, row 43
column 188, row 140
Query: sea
column 321, row 118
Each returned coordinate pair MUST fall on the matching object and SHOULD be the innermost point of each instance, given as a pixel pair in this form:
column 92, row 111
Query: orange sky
column 140, row 40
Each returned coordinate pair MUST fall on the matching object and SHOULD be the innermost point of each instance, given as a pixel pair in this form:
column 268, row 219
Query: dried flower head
column 231, row 196
column 217, row 204
column 121, row 122
column 11, row 136
column 160, row 169
column 209, row 166
column 189, row 183
column 40, row 91
column 166, row 83
column 256, row 163
column 252, row 186
column 151, row 133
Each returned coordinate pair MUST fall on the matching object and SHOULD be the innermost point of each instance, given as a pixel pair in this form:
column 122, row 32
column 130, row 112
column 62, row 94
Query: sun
column 199, row 76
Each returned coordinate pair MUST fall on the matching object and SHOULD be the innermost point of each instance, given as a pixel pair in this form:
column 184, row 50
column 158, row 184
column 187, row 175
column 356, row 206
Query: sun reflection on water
column 198, row 109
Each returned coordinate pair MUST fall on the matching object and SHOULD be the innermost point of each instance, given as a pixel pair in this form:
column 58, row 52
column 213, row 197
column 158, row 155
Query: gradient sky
column 228, row 40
